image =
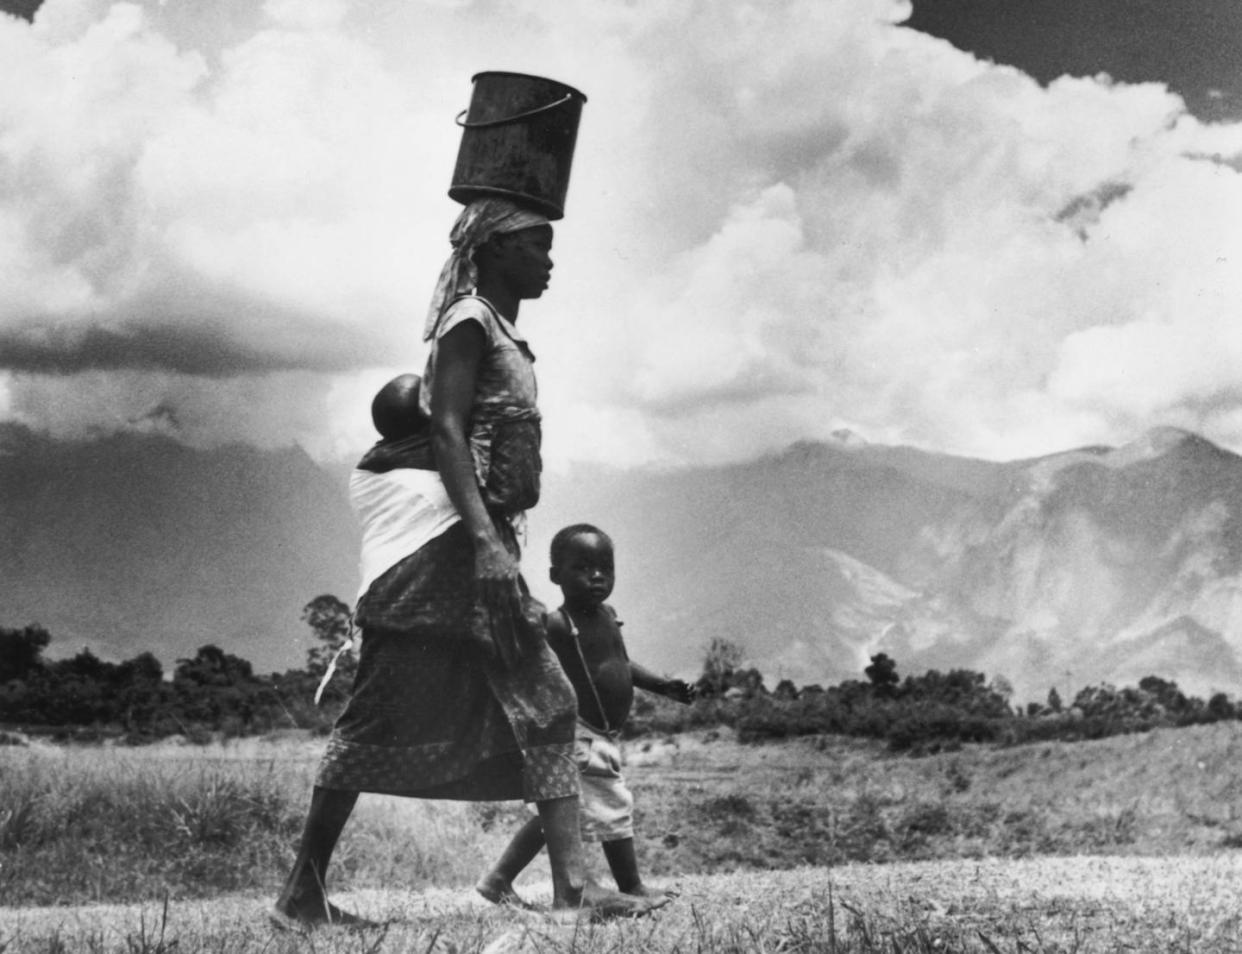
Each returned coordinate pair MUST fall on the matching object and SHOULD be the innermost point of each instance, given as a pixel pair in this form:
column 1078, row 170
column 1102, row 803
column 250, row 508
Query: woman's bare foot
column 600, row 904
column 304, row 914
column 499, row 891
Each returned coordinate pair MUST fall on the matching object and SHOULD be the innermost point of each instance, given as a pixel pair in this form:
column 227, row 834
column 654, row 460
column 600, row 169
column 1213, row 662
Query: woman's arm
column 457, row 362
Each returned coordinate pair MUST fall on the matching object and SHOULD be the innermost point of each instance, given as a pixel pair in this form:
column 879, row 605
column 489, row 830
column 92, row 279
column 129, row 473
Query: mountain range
column 1094, row 565
column 131, row 543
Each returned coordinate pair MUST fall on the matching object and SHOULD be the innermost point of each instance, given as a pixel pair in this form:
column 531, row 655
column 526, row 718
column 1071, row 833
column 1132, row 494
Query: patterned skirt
column 433, row 713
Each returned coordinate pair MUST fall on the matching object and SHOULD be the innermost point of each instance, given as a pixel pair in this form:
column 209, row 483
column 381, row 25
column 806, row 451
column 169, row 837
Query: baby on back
column 395, row 489
column 395, row 410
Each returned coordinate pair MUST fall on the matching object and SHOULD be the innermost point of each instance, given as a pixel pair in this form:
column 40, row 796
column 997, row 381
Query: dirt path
column 1085, row 904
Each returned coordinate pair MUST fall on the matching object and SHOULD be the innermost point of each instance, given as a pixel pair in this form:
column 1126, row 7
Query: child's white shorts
column 607, row 807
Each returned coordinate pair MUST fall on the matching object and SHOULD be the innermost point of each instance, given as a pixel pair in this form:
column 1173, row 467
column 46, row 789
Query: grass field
column 808, row 845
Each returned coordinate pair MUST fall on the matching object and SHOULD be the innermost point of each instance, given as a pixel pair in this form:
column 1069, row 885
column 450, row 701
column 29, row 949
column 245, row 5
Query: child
column 396, row 410
column 585, row 634
column 394, row 489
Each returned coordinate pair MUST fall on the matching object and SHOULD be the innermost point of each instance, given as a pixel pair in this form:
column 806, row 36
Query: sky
column 1192, row 45
column 786, row 219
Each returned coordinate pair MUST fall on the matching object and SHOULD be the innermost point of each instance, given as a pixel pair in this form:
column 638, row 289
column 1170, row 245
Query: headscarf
column 478, row 222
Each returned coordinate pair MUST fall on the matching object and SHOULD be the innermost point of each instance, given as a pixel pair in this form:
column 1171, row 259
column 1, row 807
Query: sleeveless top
column 504, row 433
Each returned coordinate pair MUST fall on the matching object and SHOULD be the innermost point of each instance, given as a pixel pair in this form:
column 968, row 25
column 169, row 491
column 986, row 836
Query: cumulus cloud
column 786, row 218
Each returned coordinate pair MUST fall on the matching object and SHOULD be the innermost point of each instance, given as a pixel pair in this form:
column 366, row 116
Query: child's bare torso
column 605, row 687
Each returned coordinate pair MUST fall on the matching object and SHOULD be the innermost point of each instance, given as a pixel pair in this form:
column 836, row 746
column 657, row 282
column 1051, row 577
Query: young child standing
column 585, row 634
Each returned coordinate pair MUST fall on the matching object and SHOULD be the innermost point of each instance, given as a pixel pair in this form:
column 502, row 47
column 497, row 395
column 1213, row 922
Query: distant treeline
column 920, row 714
column 215, row 693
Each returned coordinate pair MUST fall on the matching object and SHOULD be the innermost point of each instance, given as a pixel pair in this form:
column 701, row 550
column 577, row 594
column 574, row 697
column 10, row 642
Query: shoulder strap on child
column 573, row 634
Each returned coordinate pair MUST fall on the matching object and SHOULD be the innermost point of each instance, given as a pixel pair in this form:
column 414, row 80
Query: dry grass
column 967, row 838
column 1047, row 905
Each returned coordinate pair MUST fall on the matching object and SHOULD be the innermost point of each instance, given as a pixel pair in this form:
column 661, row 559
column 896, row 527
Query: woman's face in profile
column 523, row 260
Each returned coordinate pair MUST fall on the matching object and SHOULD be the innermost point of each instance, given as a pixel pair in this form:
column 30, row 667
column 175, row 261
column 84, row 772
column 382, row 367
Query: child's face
column 585, row 573
column 523, row 260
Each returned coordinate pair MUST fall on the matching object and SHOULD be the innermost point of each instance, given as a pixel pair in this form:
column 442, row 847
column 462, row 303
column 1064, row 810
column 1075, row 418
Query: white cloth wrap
column 400, row 511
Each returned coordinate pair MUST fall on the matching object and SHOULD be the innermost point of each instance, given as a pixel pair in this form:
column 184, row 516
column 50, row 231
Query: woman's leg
column 559, row 820
column 571, row 888
column 305, row 896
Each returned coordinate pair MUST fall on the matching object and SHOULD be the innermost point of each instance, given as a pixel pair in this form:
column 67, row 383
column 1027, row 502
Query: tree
column 785, row 690
column 720, row 662
column 212, row 666
column 332, row 624
column 214, row 685
column 883, row 675
column 140, row 691
column 21, row 650
column 1002, row 687
column 1165, row 692
column 142, row 668
column 1220, row 707
column 1054, row 700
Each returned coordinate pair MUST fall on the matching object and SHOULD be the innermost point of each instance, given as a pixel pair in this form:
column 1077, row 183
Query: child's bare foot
column 647, row 891
column 600, row 904
column 499, row 891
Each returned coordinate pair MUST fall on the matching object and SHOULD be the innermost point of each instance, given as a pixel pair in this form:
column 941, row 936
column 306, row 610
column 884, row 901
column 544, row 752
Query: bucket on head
column 517, row 141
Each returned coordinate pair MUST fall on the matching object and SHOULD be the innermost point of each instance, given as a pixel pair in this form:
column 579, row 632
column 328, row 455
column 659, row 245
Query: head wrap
column 478, row 222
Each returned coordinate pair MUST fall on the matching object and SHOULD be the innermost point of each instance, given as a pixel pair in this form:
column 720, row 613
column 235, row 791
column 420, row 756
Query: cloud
column 914, row 273
column 134, row 174
column 786, row 218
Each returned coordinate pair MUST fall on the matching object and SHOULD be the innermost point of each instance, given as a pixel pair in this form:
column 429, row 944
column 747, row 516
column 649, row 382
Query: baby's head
column 582, row 565
column 395, row 410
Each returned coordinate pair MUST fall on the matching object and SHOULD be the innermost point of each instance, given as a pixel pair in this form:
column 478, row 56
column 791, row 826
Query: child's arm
column 675, row 689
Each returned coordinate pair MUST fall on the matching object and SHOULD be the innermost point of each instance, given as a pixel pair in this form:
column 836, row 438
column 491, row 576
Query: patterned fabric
column 431, row 594
column 399, row 511
column 607, row 807
column 512, row 484
column 504, row 416
column 430, row 717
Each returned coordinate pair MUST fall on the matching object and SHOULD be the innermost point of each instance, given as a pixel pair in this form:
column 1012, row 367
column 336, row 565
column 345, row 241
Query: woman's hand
column 496, row 575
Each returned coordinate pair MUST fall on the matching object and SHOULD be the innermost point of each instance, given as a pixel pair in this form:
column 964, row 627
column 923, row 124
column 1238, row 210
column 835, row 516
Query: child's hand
column 680, row 691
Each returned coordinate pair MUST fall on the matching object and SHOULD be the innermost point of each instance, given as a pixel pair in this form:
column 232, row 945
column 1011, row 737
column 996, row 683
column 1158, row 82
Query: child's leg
column 497, row 884
column 573, row 891
column 623, row 864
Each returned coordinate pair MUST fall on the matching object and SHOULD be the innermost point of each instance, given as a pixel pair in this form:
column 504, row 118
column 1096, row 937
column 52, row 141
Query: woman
column 457, row 694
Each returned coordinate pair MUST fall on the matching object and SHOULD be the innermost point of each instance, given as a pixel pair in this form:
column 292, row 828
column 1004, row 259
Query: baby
column 395, row 410
column 585, row 634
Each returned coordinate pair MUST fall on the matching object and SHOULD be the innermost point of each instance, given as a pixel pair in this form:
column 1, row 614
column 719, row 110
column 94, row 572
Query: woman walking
column 457, row 694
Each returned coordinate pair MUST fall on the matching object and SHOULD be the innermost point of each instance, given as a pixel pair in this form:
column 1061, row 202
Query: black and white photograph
column 495, row 476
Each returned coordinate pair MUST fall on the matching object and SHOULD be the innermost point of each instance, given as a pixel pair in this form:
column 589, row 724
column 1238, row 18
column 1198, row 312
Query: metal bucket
column 517, row 141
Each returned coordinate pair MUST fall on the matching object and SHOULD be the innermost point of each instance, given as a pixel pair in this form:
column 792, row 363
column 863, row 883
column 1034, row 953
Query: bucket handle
column 511, row 119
